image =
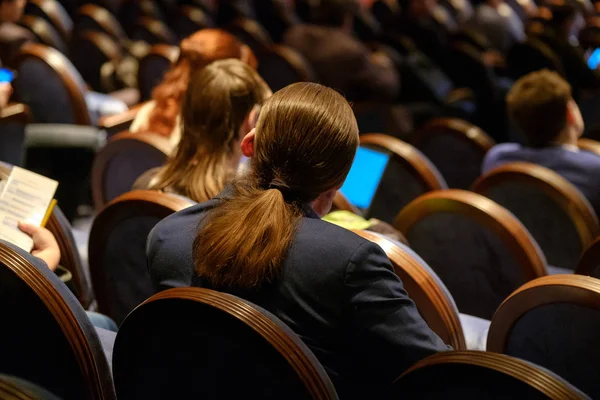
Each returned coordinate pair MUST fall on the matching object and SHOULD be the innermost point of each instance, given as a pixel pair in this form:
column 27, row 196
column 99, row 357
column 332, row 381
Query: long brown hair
column 196, row 52
column 218, row 100
column 306, row 139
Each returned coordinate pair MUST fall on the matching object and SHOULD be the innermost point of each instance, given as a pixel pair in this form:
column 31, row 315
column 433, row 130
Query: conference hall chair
column 153, row 31
column 95, row 55
column 530, row 56
column 554, row 211
column 15, row 388
column 13, row 120
column 117, row 249
column 53, row 12
column 153, row 66
column 456, row 147
column 252, row 34
column 553, row 322
column 589, row 145
column 44, row 32
column 114, row 124
column 47, row 338
column 434, row 302
column 212, row 345
column 479, row 250
column 281, row 66
column 189, row 19
column 408, row 175
column 50, row 86
column 275, row 16
column 130, row 11
column 125, row 158
column 91, row 17
column 472, row 375
column 590, row 261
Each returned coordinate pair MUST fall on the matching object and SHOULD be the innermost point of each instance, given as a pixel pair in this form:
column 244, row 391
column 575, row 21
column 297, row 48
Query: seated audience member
column 161, row 115
column 562, row 36
column 541, row 106
column 12, row 36
column 338, row 59
column 498, row 23
column 262, row 239
column 218, row 110
column 5, row 92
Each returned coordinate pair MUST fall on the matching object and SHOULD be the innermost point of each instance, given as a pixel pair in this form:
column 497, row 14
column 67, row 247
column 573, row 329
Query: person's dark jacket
column 336, row 290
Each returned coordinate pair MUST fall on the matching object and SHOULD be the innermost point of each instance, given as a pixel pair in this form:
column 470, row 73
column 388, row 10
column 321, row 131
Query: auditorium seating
column 552, row 321
column 15, row 388
column 479, row 250
column 46, row 337
column 478, row 375
column 408, row 166
column 555, row 212
column 212, row 345
column 590, row 261
column 153, row 66
column 53, row 12
column 44, row 32
column 13, row 119
column 117, row 249
column 281, row 66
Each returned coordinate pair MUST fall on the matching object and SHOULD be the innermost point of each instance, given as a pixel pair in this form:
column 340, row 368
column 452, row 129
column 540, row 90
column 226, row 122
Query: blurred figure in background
column 161, row 115
column 498, row 23
column 12, row 36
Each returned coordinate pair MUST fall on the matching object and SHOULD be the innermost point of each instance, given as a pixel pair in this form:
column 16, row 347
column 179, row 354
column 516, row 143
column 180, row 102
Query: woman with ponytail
column 161, row 115
column 262, row 239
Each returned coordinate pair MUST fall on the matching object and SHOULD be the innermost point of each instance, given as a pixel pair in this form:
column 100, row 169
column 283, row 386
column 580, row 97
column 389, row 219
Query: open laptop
column 364, row 178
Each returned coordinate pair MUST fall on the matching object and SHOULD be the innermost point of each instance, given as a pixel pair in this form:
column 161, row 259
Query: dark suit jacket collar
column 227, row 193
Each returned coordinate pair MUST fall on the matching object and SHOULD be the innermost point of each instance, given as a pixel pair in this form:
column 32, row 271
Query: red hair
column 196, row 52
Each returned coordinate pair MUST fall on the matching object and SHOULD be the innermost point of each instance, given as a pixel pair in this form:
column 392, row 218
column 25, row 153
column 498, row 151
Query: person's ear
column 248, row 144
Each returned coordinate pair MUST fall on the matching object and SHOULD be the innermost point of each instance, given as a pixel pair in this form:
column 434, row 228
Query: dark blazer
column 581, row 168
column 343, row 63
column 336, row 290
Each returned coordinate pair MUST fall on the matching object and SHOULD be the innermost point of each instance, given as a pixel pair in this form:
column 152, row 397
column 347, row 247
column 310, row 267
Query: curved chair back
column 70, row 258
column 51, row 86
column 91, row 51
column 44, row 32
column 47, row 338
column 15, row 388
column 117, row 249
column 479, row 250
column 153, row 31
column 281, row 66
column 475, row 375
column 456, row 147
column 556, row 214
column 553, row 322
column 275, row 16
column 154, row 66
column 53, row 12
column 590, row 261
column 212, row 345
column 13, row 119
column 590, row 145
column 433, row 300
column 125, row 158
column 468, row 70
column 530, row 56
column 91, row 17
column 252, row 34
column 191, row 19
column 408, row 175
column 130, row 11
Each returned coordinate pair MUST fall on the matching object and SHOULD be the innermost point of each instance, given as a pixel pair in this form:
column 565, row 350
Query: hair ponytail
column 306, row 138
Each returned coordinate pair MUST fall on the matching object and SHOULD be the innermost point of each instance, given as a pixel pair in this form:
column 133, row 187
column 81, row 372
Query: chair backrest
column 553, row 322
column 590, row 145
column 468, row 69
column 13, row 119
column 472, row 375
column 532, row 55
column 341, row 203
column 117, row 249
column 153, row 66
column 590, row 261
column 252, row 34
column 190, row 19
column 53, row 12
column 15, row 388
column 433, row 300
column 281, row 66
column 211, row 345
column 408, row 175
column 456, row 147
column 556, row 214
column 275, row 16
column 153, row 31
column 51, row 86
column 70, row 258
column 125, row 157
column 47, row 338
column 478, row 249
column 91, row 51
column 91, row 17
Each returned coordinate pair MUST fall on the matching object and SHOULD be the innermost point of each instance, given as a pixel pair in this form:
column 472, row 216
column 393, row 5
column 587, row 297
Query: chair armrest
column 113, row 124
column 64, row 135
column 460, row 94
column 15, row 112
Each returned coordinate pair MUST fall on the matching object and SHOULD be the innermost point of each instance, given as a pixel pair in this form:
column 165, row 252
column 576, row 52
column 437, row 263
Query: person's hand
column 44, row 244
column 5, row 92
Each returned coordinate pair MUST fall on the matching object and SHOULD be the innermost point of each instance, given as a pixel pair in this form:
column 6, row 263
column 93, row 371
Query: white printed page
column 25, row 197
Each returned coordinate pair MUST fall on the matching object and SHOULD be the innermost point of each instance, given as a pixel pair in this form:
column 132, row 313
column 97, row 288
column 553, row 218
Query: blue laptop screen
column 364, row 177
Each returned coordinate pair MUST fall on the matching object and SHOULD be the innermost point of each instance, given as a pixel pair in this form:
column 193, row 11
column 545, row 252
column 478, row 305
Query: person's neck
column 566, row 140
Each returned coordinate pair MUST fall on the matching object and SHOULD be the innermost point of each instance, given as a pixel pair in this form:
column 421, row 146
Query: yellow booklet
column 26, row 197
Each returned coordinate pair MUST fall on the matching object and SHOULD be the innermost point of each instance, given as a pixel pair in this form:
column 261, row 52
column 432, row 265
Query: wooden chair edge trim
column 459, row 128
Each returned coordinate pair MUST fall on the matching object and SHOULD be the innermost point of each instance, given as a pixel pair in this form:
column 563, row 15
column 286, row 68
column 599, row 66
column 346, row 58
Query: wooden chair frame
column 318, row 388
column 15, row 112
column 458, row 128
column 485, row 212
column 590, row 259
column 300, row 65
column 158, row 29
column 438, row 310
column 104, row 19
column 53, row 10
column 118, row 123
column 590, row 145
column 40, row 28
